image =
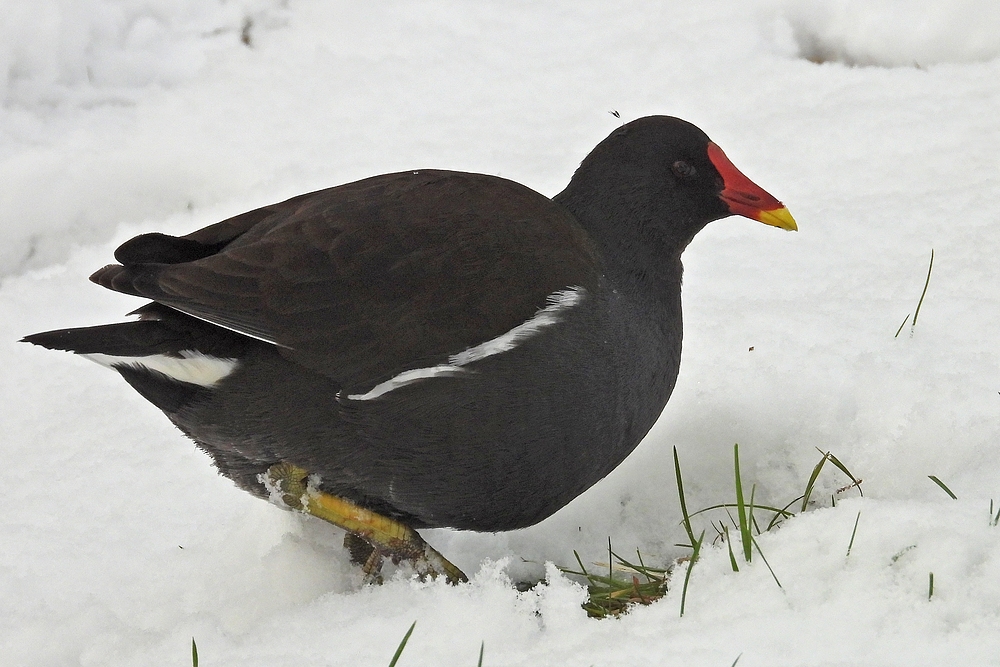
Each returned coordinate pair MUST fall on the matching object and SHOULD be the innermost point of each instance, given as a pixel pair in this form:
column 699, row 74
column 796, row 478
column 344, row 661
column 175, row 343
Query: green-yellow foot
column 386, row 537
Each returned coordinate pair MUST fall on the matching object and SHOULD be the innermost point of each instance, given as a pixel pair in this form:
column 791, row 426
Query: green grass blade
column 902, row 325
column 783, row 513
column 753, row 521
column 611, row 572
column 482, row 646
column 720, row 530
column 194, row 653
column 640, row 568
column 402, row 645
column 732, row 556
column 996, row 517
column 842, row 468
column 853, row 533
column 687, row 575
column 943, row 486
column 812, row 480
column 643, row 567
column 736, row 524
column 930, row 586
column 680, row 495
column 764, row 558
column 767, row 508
column 736, row 660
column 744, row 525
column 924, row 293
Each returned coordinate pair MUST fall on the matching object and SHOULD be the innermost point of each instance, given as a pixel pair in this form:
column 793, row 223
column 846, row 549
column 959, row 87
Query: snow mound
column 66, row 64
column 54, row 50
column 895, row 33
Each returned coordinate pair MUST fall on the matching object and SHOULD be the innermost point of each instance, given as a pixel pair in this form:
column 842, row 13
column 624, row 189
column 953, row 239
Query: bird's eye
column 682, row 169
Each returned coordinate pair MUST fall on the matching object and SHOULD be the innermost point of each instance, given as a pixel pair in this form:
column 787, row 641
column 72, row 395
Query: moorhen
column 427, row 348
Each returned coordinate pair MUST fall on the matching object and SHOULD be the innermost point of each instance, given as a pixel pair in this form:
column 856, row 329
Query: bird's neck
column 640, row 253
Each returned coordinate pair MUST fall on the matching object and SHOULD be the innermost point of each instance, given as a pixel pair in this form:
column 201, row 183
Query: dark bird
column 428, row 348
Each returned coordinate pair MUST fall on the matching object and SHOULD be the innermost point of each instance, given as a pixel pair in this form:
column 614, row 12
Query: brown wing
column 364, row 280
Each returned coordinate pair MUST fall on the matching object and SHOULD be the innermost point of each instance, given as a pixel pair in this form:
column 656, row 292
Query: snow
column 120, row 542
column 896, row 33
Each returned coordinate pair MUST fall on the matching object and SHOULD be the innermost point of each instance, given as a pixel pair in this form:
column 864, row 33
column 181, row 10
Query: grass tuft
column 611, row 595
column 943, row 486
column 745, row 522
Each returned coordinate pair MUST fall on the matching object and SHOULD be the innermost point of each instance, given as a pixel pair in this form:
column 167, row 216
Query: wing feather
column 366, row 280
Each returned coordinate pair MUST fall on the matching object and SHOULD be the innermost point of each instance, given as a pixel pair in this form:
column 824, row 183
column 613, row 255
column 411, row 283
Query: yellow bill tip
column 779, row 217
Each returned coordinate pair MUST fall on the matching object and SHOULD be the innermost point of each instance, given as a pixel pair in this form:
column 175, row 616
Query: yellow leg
column 388, row 537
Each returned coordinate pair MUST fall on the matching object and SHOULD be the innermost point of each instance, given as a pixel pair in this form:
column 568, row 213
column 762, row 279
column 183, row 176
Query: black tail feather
column 129, row 339
column 162, row 330
column 125, row 339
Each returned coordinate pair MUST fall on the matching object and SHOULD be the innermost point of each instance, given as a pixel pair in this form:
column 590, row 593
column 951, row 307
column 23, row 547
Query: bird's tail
column 124, row 339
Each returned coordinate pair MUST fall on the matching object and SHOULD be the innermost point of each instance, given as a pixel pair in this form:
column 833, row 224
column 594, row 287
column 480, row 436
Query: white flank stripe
column 559, row 302
column 404, row 378
column 547, row 316
column 191, row 366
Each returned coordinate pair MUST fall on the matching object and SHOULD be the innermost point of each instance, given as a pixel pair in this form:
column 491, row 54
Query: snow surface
column 120, row 542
